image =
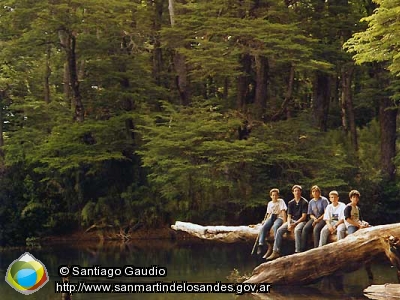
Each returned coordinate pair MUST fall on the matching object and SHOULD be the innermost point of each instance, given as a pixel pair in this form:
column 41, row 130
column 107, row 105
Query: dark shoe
column 273, row 256
column 259, row 249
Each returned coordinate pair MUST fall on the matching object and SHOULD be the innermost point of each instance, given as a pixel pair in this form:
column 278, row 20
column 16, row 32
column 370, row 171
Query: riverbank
column 163, row 233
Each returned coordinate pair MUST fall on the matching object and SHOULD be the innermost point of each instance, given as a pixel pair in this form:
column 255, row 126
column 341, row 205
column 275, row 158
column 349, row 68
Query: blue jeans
column 282, row 230
column 316, row 230
column 351, row 229
column 325, row 232
column 271, row 222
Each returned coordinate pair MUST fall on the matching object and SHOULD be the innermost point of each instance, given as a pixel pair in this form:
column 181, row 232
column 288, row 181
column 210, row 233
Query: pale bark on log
column 348, row 254
column 383, row 292
column 226, row 234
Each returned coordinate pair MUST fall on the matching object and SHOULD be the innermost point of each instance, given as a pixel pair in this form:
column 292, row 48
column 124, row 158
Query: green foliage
column 88, row 214
column 194, row 154
column 13, row 229
column 380, row 41
column 138, row 160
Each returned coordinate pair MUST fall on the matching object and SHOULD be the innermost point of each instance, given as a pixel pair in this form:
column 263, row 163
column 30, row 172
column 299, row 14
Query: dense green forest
column 122, row 112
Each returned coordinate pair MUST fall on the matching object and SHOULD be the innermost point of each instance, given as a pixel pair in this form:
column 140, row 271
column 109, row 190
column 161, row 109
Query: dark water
column 201, row 262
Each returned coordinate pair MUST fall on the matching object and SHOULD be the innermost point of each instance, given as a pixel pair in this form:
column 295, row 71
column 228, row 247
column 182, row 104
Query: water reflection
column 191, row 262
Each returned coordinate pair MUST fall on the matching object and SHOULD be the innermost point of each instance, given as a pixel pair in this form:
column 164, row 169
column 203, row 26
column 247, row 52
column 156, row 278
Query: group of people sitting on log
column 303, row 217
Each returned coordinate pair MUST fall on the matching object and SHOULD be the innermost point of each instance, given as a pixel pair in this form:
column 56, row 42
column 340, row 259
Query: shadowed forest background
column 126, row 112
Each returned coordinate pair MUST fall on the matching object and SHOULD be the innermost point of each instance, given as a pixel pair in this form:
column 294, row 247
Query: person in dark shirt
column 352, row 214
column 296, row 219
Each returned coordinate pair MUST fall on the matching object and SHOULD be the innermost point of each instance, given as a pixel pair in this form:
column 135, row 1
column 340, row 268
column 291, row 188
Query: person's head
column 274, row 194
column 315, row 191
column 354, row 196
column 334, row 197
column 296, row 189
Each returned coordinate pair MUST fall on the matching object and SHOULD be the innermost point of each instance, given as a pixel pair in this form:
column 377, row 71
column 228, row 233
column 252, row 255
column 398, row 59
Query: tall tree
column 379, row 43
column 239, row 42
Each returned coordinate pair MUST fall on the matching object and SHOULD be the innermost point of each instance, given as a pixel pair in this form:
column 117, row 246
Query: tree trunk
column 68, row 42
column 2, row 105
column 383, row 292
column 243, row 83
column 226, row 88
column 229, row 234
column 171, row 9
column 260, row 100
column 179, row 60
column 348, row 118
column 157, row 53
column 387, row 121
column 288, row 98
column 321, row 100
column 47, row 74
column 355, row 250
column 225, row 234
column 182, row 82
column 67, row 90
column 128, row 105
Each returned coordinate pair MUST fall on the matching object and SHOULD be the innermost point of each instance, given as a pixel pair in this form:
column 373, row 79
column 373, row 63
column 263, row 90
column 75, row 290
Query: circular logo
column 26, row 274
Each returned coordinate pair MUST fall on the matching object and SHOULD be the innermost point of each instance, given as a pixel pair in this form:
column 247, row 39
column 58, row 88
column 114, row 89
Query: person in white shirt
column 276, row 216
column 334, row 218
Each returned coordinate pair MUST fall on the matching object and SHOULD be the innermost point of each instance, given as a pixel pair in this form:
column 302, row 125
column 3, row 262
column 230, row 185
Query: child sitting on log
column 352, row 214
column 297, row 214
column 334, row 218
column 276, row 216
column 316, row 211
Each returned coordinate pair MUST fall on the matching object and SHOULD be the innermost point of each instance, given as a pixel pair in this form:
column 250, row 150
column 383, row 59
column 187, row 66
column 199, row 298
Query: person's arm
column 289, row 214
column 314, row 217
column 304, row 211
column 363, row 224
column 347, row 216
column 302, row 218
column 267, row 213
column 341, row 221
column 309, row 211
column 289, row 221
column 324, row 205
column 327, row 217
column 316, row 220
column 283, row 208
column 284, row 217
column 341, row 214
column 353, row 223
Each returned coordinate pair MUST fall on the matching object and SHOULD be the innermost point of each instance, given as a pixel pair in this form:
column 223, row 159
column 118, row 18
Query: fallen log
column 383, row 292
column 226, row 234
column 233, row 234
column 348, row 254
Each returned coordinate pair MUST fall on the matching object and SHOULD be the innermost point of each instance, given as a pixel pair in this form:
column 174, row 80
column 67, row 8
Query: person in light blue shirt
column 316, row 210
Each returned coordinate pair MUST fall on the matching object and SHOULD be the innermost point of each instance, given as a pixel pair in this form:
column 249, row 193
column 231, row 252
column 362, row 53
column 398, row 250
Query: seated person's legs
column 308, row 228
column 317, row 232
column 279, row 236
column 351, row 229
column 323, row 239
column 298, row 230
column 341, row 231
column 278, row 223
column 264, row 231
